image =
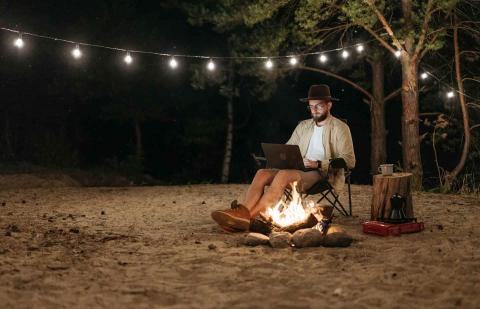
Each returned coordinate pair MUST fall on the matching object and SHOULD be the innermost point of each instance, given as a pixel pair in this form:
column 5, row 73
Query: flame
column 296, row 210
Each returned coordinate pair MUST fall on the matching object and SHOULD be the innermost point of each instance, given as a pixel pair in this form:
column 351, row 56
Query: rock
column 33, row 247
column 338, row 292
column 280, row 239
column 212, row 247
column 256, row 239
column 337, row 237
column 307, row 238
column 13, row 228
column 57, row 266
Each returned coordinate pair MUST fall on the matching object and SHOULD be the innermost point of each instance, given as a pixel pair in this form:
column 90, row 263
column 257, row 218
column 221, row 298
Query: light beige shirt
column 337, row 143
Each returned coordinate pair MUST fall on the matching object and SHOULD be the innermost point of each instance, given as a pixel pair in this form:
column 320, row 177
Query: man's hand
column 310, row 163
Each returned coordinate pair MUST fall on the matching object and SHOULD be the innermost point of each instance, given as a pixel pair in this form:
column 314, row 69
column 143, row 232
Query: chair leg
column 334, row 203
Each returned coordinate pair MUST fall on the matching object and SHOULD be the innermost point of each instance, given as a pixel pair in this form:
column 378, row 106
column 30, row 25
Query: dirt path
column 148, row 247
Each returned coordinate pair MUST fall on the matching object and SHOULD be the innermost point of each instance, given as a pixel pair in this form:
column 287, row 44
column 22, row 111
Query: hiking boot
column 235, row 219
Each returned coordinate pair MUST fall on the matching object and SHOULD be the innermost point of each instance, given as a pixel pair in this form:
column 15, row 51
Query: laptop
column 283, row 156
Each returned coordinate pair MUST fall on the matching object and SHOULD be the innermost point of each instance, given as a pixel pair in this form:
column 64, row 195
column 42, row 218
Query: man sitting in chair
column 320, row 139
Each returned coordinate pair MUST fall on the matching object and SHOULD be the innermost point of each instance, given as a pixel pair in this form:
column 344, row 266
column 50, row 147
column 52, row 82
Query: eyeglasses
column 317, row 106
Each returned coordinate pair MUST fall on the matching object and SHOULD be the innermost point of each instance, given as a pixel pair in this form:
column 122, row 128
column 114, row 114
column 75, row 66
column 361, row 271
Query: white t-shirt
column 315, row 150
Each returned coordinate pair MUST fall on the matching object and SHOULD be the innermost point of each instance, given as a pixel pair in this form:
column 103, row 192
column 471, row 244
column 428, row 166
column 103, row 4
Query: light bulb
column 211, row 65
column 322, row 58
column 128, row 59
column 173, row 63
column 423, row 75
column 76, row 52
column 345, row 54
column 398, row 53
column 360, row 48
column 19, row 41
column 293, row 61
column 269, row 64
column 450, row 94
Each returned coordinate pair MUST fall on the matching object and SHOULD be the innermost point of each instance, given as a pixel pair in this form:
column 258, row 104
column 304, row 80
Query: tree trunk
column 466, row 127
column 378, row 145
column 384, row 188
column 229, row 136
column 138, row 140
column 412, row 161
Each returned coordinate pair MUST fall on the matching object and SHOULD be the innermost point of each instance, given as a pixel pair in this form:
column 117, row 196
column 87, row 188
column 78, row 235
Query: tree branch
column 426, row 21
column 475, row 126
column 392, row 94
column 379, row 38
column 334, row 75
column 385, row 23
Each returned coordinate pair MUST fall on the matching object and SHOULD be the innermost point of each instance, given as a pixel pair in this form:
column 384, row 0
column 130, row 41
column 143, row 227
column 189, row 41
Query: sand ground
column 153, row 247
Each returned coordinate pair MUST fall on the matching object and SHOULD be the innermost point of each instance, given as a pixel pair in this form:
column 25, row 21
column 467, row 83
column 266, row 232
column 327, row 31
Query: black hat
column 319, row 92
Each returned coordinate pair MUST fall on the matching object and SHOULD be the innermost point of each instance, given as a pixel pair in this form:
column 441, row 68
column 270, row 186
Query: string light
column 173, row 63
column 128, row 59
column 293, row 59
column 269, row 64
column 76, row 52
column 19, row 41
column 211, row 65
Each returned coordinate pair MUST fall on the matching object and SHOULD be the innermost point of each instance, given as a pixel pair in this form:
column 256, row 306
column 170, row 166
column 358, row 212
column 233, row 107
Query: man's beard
column 320, row 118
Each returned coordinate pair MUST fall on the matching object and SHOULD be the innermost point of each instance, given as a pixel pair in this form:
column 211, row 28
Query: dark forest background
column 146, row 121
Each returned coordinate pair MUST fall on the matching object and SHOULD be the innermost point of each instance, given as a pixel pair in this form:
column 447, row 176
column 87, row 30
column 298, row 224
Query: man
column 320, row 139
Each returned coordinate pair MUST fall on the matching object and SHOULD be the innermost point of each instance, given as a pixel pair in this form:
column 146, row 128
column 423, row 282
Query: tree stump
column 384, row 187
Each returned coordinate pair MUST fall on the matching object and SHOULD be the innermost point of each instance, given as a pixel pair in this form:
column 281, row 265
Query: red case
column 386, row 229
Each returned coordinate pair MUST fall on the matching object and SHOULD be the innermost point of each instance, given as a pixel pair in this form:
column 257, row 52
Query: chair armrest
column 260, row 162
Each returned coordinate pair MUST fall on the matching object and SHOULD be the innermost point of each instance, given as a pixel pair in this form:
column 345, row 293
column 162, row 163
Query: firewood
column 310, row 221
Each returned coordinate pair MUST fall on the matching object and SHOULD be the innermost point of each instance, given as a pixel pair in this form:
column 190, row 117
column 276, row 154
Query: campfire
column 292, row 211
column 290, row 215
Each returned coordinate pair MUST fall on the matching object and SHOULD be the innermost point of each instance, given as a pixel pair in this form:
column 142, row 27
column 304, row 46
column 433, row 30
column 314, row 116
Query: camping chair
column 322, row 187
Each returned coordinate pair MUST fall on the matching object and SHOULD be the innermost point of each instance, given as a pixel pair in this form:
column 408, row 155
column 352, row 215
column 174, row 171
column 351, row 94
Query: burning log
column 309, row 222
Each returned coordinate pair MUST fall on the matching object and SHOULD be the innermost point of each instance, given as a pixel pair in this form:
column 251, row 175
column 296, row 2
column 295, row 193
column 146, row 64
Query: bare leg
column 263, row 177
column 282, row 180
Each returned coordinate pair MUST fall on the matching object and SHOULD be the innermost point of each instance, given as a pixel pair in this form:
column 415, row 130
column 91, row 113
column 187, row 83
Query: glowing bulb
column 211, row 65
column 76, row 52
column 398, row 53
column 450, row 94
column 293, row 61
column 173, row 63
column 423, row 75
column 269, row 64
column 345, row 54
column 360, row 48
column 128, row 59
column 322, row 58
column 19, row 41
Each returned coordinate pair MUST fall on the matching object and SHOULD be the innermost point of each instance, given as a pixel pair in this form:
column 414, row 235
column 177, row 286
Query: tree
column 261, row 27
